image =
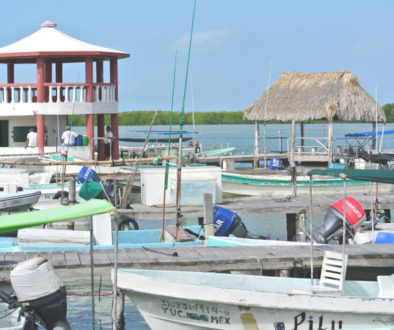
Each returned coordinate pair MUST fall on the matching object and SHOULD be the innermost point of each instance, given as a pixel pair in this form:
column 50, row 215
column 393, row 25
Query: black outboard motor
column 40, row 293
column 227, row 222
column 333, row 220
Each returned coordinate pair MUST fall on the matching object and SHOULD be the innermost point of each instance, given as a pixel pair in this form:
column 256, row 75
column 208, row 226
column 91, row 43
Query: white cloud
column 202, row 38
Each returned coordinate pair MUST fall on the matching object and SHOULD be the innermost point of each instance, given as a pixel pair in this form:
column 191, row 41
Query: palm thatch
column 306, row 96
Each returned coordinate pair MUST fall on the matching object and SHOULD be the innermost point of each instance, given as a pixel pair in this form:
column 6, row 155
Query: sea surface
column 242, row 136
column 269, row 224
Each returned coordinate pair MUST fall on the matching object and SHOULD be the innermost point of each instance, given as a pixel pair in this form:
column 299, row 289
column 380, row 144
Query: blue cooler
column 86, row 173
column 78, row 140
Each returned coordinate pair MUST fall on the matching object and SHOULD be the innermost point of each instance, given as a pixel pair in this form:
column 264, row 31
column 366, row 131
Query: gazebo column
column 40, row 119
column 114, row 76
column 48, row 78
column 10, row 79
column 115, row 131
column 114, row 116
column 89, row 99
column 90, row 134
column 100, row 117
column 100, row 134
column 59, row 72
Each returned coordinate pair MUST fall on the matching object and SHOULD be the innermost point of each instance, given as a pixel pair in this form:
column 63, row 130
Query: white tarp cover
column 34, row 278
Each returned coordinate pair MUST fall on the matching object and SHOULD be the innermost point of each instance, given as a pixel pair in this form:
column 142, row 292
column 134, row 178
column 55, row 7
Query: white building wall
column 51, row 126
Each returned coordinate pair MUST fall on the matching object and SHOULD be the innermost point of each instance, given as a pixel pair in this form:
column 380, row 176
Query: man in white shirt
column 68, row 136
column 31, row 139
column 107, row 142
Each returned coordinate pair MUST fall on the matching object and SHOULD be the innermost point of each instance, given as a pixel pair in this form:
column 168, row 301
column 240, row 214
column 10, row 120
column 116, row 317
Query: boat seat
column 386, row 286
column 333, row 274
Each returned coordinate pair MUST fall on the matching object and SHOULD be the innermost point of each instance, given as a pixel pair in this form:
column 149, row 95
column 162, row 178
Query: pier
column 256, row 259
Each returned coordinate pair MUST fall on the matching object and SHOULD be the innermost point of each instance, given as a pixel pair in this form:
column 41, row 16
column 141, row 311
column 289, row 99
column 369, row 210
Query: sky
column 239, row 46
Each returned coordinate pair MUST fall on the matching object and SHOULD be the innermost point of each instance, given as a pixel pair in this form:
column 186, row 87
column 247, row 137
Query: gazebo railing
column 56, row 93
column 17, row 93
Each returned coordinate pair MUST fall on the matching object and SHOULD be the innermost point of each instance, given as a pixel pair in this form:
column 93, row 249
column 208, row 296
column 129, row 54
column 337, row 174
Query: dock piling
column 208, row 216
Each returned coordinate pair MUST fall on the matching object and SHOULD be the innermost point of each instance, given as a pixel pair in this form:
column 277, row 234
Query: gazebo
column 299, row 96
column 48, row 102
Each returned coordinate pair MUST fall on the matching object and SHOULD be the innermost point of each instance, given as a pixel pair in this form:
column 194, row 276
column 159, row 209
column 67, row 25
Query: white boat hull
column 197, row 303
column 18, row 202
column 269, row 186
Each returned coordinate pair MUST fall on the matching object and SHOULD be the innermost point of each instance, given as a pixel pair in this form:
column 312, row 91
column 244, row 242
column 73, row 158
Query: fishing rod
column 181, row 120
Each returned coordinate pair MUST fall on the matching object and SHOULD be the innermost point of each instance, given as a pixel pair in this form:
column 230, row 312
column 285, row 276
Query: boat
column 21, row 201
column 191, row 300
column 281, row 185
column 216, row 152
column 37, row 239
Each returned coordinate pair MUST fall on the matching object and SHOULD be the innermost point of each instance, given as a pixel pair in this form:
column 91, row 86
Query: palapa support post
column 293, row 170
column 330, row 138
column 208, row 216
column 256, row 144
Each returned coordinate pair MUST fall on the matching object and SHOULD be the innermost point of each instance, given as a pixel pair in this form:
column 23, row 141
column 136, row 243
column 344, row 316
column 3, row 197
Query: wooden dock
column 230, row 160
column 257, row 259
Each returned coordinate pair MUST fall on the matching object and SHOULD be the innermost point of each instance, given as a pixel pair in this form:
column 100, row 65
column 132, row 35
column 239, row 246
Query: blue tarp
column 163, row 132
column 372, row 133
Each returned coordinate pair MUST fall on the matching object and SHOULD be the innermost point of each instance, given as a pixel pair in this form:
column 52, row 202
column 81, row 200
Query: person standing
column 68, row 136
column 31, row 139
column 107, row 142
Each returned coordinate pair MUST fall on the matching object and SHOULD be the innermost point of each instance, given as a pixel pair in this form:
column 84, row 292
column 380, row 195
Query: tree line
column 144, row 118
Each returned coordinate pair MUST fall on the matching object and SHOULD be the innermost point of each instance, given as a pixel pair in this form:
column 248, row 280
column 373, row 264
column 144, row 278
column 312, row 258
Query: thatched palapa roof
column 306, row 96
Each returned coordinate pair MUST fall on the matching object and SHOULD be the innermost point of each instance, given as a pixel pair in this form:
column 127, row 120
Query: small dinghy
column 21, row 201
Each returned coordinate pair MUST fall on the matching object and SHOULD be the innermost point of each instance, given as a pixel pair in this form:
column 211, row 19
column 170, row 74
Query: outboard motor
column 40, row 292
column 227, row 222
column 333, row 220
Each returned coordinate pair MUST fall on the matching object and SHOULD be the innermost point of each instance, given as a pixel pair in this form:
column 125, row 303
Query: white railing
column 66, row 94
column 57, row 93
column 18, row 94
column 104, row 93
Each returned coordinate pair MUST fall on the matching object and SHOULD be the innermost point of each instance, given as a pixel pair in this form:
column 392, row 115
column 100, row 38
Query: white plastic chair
column 333, row 274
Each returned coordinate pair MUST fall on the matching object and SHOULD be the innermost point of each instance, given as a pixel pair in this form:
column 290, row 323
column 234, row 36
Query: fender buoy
column 128, row 224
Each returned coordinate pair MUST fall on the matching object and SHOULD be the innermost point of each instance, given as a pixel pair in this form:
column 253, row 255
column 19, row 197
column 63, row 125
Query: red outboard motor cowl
column 333, row 220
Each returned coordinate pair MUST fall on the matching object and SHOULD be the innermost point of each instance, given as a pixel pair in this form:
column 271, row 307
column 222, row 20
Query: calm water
column 274, row 225
column 242, row 136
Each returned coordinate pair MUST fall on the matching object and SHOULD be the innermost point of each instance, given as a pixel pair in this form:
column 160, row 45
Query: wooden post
column 373, row 136
column 71, row 200
column 292, row 143
column 302, row 134
column 330, row 136
column 293, row 170
column 208, row 216
column 118, row 311
column 256, row 144
column 291, row 226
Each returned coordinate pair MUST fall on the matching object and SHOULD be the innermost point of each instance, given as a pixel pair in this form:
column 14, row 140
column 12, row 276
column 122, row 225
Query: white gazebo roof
column 50, row 41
